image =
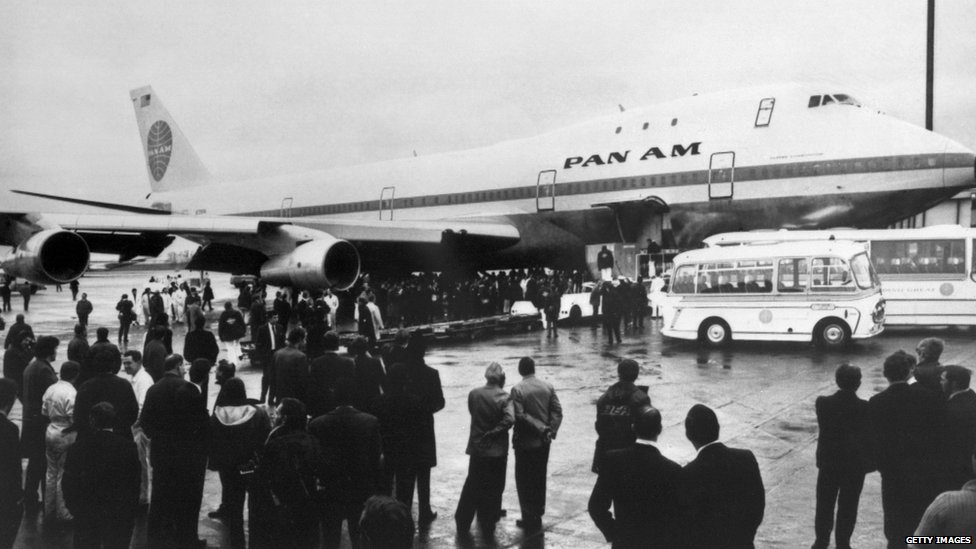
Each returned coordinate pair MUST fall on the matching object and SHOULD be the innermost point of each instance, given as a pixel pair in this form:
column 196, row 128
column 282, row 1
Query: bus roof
column 785, row 235
column 840, row 248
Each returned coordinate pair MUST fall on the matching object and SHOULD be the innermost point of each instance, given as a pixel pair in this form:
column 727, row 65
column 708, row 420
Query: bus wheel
column 714, row 332
column 832, row 333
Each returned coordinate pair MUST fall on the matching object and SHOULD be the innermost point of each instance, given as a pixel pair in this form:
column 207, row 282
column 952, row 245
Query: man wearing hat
column 492, row 415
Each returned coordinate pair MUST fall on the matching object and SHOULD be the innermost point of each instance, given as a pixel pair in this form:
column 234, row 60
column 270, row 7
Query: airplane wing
column 284, row 250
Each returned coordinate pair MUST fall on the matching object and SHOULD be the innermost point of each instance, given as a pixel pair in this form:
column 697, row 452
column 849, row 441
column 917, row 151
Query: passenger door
column 721, row 175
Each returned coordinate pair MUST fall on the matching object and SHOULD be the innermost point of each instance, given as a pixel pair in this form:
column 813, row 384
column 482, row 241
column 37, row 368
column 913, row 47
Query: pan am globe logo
column 159, row 147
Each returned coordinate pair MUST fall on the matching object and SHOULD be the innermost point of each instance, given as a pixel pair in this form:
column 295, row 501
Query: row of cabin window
column 827, row 274
column 919, row 256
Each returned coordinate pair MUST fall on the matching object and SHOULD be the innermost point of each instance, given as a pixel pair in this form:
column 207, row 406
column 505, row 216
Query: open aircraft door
column 545, row 191
column 386, row 203
column 721, row 175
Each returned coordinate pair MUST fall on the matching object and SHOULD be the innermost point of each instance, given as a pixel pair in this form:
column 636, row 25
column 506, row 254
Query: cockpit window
column 827, row 99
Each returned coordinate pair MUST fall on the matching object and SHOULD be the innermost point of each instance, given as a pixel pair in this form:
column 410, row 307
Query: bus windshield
column 864, row 272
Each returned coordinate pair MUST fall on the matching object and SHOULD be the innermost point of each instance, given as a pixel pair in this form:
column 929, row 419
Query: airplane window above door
column 765, row 113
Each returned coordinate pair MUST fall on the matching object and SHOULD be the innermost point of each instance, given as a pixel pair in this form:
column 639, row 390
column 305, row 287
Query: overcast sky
column 262, row 88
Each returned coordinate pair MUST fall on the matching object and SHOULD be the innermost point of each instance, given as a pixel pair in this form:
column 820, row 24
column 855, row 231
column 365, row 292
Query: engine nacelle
column 51, row 256
column 320, row 263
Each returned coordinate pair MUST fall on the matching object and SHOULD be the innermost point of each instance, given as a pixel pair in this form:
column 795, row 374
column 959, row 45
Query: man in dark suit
column 154, row 352
column 642, row 485
column 105, row 386
column 101, row 483
column 723, row 489
column 11, row 494
column 842, row 457
column 960, row 426
column 270, row 337
column 370, row 377
column 492, row 415
column 538, row 415
column 291, row 369
column 615, row 412
column 425, row 383
column 18, row 331
column 174, row 417
column 323, row 374
column 38, row 376
column 907, row 423
column 352, row 463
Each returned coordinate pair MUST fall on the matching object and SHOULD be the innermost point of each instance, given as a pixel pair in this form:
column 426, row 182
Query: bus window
column 684, row 280
column 831, row 274
column 792, row 275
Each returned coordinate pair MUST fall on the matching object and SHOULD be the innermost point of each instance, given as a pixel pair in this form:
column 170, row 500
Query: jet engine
column 51, row 256
column 319, row 263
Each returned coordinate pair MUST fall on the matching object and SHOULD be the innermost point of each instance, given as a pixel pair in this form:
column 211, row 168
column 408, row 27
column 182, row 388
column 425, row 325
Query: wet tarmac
column 763, row 395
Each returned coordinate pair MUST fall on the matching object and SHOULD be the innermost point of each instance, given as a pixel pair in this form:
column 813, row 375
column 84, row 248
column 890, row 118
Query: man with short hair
column 230, row 329
column 155, row 352
column 111, row 354
column 722, row 487
column 615, row 411
column 323, row 375
column 101, row 483
column 332, row 301
column 83, row 308
column 58, row 407
column 105, row 386
column 842, row 457
column 291, row 369
column 15, row 361
column 960, row 425
column 270, row 338
column 907, row 423
column 174, row 417
column 11, row 494
column 386, row 524
column 78, row 346
column 492, row 415
column 928, row 370
column 369, row 375
column 38, row 376
column 538, row 415
column 141, row 383
column 352, row 463
column 18, row 331
column 642, row 486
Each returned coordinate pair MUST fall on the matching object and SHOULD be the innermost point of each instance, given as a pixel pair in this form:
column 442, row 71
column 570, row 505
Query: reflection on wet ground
column 763, row 395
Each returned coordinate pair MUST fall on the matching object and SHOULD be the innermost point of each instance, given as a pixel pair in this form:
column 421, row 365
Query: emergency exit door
column 721, row 175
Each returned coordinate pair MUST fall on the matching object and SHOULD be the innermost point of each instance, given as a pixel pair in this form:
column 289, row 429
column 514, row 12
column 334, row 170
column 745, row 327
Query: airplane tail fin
column 170, row 160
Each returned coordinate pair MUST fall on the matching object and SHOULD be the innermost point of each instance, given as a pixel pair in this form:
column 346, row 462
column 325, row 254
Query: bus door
column 545, row 191
column 721, row 175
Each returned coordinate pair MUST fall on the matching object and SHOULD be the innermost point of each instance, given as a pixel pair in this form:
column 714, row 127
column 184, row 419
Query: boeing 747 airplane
column 797, row 156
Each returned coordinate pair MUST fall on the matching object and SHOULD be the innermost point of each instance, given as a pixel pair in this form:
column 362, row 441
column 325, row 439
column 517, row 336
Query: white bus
column 825, row 292
column 927, row 274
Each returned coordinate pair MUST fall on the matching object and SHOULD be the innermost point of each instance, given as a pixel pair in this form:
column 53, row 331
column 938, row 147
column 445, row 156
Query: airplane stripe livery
column 794, row 156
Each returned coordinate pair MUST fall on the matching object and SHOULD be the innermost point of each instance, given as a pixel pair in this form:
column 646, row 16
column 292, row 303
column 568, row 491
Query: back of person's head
column 173, row 363
column 526, row 366
column 898, row 366
column 359, row 346
column 102, row 333
column 930, row 348
column 627, row 370
column 292, row 413
column 416, row 347
column 361, row 300
column 331, row 341
column 159, row 332
column 102, row 416
column 494, row 374
column 345, row 391
column 402, row 337
column 701, row 425
column 233, row 393
column 70, row 370
column 80, row 330
column 959, row 376
column 647, row 423
column 45, row 346
column 296, row 336
column 848, row 377
column 8, row 392
column 136, row 356
column 196, row 319
column 200, row 370
column 386, row 523
column 226, row 369
column 20, row 318
column 228, row 305
column 105, row 360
